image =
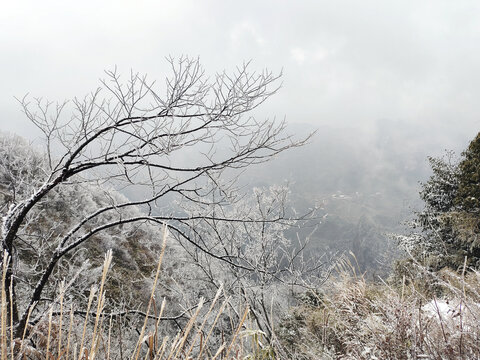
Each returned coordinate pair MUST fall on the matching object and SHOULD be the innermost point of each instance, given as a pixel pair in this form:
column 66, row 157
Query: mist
column 382, row 85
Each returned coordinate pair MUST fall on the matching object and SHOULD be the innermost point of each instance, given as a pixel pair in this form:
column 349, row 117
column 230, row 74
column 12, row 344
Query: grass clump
column 360, row 320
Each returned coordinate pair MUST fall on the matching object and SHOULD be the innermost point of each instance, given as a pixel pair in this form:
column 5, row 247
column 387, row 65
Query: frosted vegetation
column 182, row 148
column 131, row 233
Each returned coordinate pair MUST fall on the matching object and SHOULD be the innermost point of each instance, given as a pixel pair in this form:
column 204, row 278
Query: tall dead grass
column 60, row 335
column 355, row 319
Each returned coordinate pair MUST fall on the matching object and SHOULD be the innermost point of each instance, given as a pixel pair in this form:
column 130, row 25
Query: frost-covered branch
column 169, row 148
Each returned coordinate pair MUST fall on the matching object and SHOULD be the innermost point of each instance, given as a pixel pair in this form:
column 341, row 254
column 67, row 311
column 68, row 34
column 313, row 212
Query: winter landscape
column 210, row 180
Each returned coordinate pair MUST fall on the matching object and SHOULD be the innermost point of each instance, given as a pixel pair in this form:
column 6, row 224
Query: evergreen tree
column 468, row 195
column 449, row 223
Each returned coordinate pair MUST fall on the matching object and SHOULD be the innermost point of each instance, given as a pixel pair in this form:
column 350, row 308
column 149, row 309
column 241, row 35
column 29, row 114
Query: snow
column 444, row 309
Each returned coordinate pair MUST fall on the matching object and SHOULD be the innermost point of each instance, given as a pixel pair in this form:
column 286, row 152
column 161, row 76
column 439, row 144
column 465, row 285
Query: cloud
column 321, row 54
column 246, row 32
column 298, row 55
column 344, row 62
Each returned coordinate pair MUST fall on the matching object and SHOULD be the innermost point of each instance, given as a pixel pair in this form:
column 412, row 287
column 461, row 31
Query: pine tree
column 447, row 230
column 468, row 194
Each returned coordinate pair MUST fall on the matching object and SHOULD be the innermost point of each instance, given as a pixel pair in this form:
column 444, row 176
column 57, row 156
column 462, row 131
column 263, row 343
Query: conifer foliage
column 468, row 195
column 447, row 230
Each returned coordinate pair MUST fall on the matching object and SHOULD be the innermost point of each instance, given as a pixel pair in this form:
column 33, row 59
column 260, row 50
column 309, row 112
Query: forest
column 169, row 222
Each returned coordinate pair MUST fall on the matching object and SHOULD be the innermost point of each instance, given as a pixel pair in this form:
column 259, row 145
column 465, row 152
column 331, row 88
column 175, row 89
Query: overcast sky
column 347, row 63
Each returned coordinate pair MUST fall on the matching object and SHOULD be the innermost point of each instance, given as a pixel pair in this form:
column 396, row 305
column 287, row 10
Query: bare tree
column 185, row 143
column 271, row 268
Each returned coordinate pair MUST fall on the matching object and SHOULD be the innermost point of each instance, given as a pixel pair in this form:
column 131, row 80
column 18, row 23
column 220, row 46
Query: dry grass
column 352, row 319
column 60, row 335
column 355, row 319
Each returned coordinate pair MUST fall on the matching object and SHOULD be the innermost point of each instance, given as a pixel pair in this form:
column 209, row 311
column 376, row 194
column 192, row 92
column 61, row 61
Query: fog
column 345, row 62
column 384, row 84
